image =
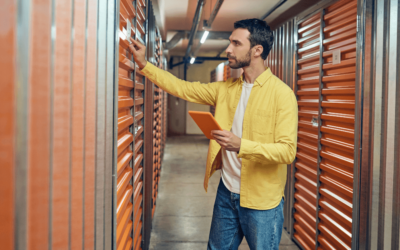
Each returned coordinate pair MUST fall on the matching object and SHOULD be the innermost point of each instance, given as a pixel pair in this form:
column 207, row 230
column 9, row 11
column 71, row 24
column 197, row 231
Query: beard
column 240, row 63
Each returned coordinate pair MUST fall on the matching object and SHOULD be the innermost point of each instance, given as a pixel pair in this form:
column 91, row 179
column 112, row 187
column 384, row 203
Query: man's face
column 238, row 51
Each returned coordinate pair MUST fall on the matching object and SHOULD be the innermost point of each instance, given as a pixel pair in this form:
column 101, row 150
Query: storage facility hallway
column 116, row 116
column 182, row 219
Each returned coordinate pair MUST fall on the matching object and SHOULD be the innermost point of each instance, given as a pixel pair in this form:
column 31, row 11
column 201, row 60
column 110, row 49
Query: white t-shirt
column 231, row 165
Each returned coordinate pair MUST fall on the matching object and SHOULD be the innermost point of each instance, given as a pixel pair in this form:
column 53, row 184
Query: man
column 258, row 113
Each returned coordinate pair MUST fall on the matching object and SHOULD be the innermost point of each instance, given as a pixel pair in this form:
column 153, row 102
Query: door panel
column 337, row 130
column 125, row 147
column 306, row 165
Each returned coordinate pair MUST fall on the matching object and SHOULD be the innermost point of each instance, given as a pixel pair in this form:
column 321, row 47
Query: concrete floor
column 184, row 210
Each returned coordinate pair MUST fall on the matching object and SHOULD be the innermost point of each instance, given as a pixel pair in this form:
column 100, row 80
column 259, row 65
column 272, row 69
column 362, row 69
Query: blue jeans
column 230, row 222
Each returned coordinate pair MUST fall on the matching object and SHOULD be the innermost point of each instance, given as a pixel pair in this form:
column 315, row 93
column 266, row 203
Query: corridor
column 184, row 210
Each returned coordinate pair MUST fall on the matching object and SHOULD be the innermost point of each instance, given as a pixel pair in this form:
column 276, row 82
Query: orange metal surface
column 77, row 123
column 125, row 236
column 129, row 244
column 90, row 115
column 137, row 242
column 138, row 206
column 337, row 152
column 8, row 19
column 138, row 235
column 39, row 143
column 123, row 181
column 127, row 4
column 138, row 215
column 125, row 171
column 138, row 169
column 123, row 202
column 307, row 146
column 124, row 222
column 61, row 126
column 125, row 137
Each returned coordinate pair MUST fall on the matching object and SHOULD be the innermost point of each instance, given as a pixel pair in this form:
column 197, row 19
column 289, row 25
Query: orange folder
column 206, row 122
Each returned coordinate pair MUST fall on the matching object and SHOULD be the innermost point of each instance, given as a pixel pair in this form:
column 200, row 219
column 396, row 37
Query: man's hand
column 139, row 53
column 227, row 140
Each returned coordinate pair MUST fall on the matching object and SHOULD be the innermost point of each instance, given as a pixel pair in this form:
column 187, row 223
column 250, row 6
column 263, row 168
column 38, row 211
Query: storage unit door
column 157, row 125
column 337, row 131
column 125, row 171
column 138, row 169
column 138, row 211
column 306, row 165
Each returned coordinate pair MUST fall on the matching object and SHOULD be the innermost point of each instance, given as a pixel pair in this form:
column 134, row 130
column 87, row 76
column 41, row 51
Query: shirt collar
column 261, row 79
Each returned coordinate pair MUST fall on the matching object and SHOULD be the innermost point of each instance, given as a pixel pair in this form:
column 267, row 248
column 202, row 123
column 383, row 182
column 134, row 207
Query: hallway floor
column 183, row 213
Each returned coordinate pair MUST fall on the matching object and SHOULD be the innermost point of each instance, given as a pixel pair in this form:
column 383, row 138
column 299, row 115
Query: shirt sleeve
column 283, row 150
column 190, row 91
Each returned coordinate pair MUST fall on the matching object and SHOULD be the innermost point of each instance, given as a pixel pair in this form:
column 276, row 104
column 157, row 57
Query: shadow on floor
column 183, row 213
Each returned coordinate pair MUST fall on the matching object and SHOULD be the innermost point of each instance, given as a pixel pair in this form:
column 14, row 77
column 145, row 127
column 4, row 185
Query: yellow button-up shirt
column 269, row 137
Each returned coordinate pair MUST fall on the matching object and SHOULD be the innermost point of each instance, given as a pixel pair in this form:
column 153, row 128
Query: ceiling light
column 192, row 60
column 205, row 34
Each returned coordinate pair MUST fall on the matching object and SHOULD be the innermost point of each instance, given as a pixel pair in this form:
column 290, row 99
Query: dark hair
column 260, row 34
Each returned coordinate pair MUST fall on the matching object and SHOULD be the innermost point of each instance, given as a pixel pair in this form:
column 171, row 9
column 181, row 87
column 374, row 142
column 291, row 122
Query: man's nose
column 228, row 50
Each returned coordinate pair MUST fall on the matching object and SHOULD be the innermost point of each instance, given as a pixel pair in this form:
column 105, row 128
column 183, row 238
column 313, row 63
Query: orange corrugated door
column 337, row 141
column 77, row 129
column 61, row 126
column 139, row 121
column 305, row 194
column 157, row 144
column 90, row 125
column 165, row 120
column 155, row 149
column 8, row 12
column 39, row 143
column 125, row 129
column 138, row 169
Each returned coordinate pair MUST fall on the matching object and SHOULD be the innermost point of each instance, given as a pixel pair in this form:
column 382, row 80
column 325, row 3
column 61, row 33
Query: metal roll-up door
column 90, row 123
column 138, row 165
column 306, row 165
column 164, row 118
column 337, row 130
column 156, row 147
column 157, row 125
column 55, row 134
column 126, row 141
column 8, row 69
column 141, row 20
column 61, row 126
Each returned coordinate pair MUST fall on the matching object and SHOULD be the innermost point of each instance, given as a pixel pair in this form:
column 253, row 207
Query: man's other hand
column 139, row 53
column 227, row 140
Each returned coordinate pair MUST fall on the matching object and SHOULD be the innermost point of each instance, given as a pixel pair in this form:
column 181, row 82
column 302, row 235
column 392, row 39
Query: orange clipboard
column 206, row 122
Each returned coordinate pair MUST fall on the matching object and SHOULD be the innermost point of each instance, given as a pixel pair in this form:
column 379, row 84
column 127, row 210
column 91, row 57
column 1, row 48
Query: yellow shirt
column 269, row 137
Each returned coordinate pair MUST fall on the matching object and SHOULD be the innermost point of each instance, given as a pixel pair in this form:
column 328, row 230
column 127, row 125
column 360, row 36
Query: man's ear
column 258, row 50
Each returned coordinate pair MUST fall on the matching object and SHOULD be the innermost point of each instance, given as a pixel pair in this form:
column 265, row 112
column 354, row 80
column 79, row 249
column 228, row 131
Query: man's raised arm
column 189, row 91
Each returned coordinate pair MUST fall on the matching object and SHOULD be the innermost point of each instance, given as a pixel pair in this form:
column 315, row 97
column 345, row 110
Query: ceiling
column 177, row 15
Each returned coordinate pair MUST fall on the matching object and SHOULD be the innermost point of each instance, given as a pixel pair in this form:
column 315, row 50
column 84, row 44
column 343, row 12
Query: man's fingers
column 132, row 48
column 223, row 144
column 221, row 136
column 219, row 133
column 137, row 43
column 134, row 41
